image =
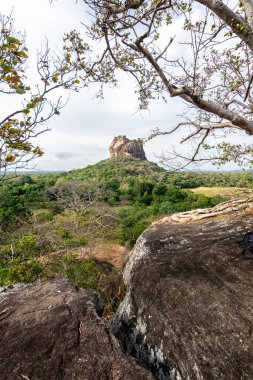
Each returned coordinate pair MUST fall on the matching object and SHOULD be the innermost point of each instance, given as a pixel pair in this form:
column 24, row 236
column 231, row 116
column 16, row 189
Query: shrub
column 45, row 216
column 133, row 221
column 111, row 201
column 64, row 233
column 19, row 271
column 26, row 245
column 83, row 273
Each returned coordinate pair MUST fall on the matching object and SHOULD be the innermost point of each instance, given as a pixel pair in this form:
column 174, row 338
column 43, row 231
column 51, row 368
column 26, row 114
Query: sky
column 82, row 133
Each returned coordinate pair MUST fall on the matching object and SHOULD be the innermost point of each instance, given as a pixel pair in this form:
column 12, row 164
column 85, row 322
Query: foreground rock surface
column 188, row 312
column 121, row 146
column 52, row 331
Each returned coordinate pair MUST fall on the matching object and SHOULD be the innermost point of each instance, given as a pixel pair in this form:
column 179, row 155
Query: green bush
column 133, row 221
column 162, row 208
column 64, row 233
column 136, row 231
column 26, row 245
column 83, row 273
column 5, row 251
column 45, row 217
column 111, row 201
column 19, row 271
column 216, row 199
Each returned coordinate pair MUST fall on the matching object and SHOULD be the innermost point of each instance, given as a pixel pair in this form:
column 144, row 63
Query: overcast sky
column 81, row 135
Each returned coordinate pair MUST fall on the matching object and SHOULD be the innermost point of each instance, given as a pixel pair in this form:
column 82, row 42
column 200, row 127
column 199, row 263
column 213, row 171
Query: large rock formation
column 123, row 147
column 52, row 331
column 188, row 312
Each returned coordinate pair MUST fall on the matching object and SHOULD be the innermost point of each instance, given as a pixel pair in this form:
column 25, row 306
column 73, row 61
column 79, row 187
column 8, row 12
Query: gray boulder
column 188, row 313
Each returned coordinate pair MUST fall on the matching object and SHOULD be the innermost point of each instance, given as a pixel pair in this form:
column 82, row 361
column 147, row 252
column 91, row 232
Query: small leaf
column 31, row 105
column 20, row 91
column 7, row 124
column 21, row 54
column 25, row 111
column 12, row 40
column 65, row 68
column 15, row 79
column 55, row 79
column 38, row 151
column 10, row 158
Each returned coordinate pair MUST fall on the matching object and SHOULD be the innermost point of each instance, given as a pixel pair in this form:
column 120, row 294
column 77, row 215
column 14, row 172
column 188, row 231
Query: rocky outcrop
column 121, row 146
column 52, row 331
column 188, row 313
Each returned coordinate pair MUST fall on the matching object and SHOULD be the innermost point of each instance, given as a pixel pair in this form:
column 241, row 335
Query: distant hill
column 123, row 172
column 125, row 169
column 121, row 169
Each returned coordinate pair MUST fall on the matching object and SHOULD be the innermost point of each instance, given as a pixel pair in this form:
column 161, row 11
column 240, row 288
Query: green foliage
column 121, row 173
column 132, row 193
column 118, row 171
column 68, row 240
column 133, row 221
column 83, row 274
column 160, row 201
column 64, row 233
column 19, row 271
column 20, row 195
column 26, row 245
column 191, row 180
column 14, row 210
column 44, row 216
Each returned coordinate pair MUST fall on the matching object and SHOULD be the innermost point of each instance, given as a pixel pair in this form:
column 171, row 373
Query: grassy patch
column 226, row 192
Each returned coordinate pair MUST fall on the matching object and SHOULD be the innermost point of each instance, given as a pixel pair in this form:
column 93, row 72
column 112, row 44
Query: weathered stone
column 188, row 313
column 121, row 146
column 52, row 331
